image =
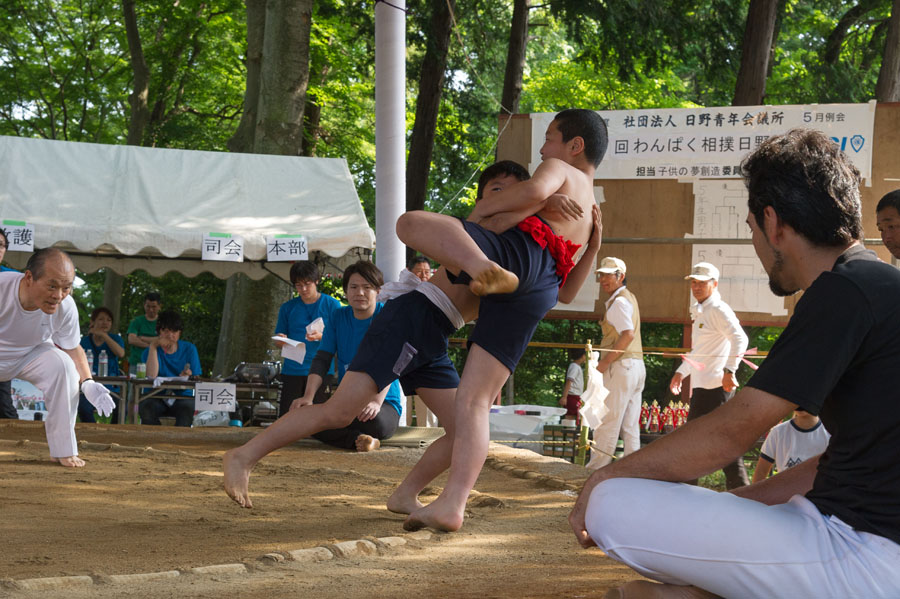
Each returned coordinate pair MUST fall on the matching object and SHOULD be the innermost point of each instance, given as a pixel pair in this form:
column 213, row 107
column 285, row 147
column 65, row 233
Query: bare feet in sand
column 73, row 461
column 237, row 478
column 401, row 503
column 434, row 515
column 367, row 443
column 495, row 279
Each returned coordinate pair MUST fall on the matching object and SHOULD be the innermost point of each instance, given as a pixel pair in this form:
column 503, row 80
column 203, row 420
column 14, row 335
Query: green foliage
column 332, row 285
column 63, row 66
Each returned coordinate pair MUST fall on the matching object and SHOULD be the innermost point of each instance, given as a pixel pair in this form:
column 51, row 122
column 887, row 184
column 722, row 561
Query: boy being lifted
column 518, row 274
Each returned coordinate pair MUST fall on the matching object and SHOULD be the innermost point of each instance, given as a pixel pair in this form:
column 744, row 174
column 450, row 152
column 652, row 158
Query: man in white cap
column 623, row 367
column 717, row 342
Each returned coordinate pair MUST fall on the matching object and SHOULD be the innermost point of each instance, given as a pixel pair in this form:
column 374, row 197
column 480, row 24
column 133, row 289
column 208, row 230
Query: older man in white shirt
column 718, row 341
column 623, row 367
column 39, row 343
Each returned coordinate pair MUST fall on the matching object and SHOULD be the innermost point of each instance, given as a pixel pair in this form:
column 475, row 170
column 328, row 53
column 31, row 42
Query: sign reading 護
column 667, row 143
column 20, row 235
column 216, row 397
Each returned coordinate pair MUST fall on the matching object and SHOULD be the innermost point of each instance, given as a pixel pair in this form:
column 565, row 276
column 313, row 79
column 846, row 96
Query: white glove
column 98, row 396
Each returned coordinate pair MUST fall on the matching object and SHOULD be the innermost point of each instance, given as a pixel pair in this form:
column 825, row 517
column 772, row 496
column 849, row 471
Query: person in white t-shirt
column 39, row 343
column 717, row 342
column 571, row 395
column 791, row 443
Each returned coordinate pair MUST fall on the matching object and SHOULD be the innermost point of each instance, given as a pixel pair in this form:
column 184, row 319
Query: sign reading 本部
column 286, row 247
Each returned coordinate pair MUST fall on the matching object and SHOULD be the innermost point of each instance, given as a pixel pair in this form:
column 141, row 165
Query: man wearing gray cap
column 623, row 367
column 717, row 342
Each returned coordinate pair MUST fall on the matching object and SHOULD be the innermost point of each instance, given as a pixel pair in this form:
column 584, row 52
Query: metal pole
column 390, row 134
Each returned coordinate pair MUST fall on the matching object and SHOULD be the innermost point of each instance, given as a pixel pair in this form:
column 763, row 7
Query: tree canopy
column 174, row 73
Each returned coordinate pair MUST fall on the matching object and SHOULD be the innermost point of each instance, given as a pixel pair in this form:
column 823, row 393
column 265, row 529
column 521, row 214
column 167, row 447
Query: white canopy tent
column 129, row 208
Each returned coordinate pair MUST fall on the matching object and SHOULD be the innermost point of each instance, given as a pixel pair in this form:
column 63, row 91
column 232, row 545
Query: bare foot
column 402, row 503
column 367, row 443
column 237, row 478
column 495, row 279
column 643, row 589
column 434, row 516
column 73, row 461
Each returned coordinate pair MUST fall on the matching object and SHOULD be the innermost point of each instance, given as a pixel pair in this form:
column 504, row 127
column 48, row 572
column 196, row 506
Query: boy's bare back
column 578, row 186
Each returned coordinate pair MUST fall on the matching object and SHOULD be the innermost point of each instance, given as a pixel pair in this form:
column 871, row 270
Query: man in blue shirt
column 294, row 316
column 169, row 356
column 343, row 333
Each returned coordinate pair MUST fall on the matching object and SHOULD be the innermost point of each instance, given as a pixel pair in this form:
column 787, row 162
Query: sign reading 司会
column 677, row 143
column 223, row 247
column 287, row 247
column 216, row 397
column 20, row 235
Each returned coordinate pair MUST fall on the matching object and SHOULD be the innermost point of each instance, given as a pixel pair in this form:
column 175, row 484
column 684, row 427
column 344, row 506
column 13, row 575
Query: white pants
column 734, row 547
column 625, row 382
column 53, row 372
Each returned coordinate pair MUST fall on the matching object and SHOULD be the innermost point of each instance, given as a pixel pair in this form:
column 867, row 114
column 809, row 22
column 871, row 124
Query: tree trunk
column 283, row 78
column 888, row 86
column 242, row 140
column 751, row 81
column 431, row 83
column 138, row 99
column 515, row 57
column 272, row 123
column 248, row 304
column 112, row 296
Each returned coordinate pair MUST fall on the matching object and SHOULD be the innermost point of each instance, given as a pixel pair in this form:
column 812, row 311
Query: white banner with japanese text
column 286, row 247
column 223, row 247
column 216, row 397
column 679, row 143
column 20, row 235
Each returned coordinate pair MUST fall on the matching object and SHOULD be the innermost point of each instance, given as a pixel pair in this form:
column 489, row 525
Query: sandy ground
column 150, row 499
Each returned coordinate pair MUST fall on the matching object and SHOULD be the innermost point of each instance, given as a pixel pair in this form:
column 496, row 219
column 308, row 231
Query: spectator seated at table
column 169, row 356
column 99, row 339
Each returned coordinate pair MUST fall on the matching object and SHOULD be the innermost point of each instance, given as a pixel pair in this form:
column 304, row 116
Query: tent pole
column 390, row 134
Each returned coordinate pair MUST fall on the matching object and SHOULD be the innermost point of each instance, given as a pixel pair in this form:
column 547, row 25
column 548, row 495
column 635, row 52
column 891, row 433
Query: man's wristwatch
column 728, row 371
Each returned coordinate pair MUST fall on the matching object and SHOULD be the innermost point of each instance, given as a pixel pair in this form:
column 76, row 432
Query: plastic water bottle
column 103, row 368
column 89, row 353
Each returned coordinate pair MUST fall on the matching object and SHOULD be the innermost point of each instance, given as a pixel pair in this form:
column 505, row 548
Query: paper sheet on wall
column 720, row 211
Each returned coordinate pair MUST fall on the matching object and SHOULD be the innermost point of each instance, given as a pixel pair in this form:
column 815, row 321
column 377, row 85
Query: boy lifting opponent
column 412, row 330
column 518, row 273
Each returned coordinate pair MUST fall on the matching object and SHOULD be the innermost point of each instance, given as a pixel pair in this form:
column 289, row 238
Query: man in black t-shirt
column 829, row 527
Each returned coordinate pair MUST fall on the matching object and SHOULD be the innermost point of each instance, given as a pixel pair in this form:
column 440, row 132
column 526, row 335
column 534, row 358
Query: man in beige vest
column 623, row 368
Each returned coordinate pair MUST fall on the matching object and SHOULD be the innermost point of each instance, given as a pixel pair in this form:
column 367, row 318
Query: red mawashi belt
column 561, row 249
